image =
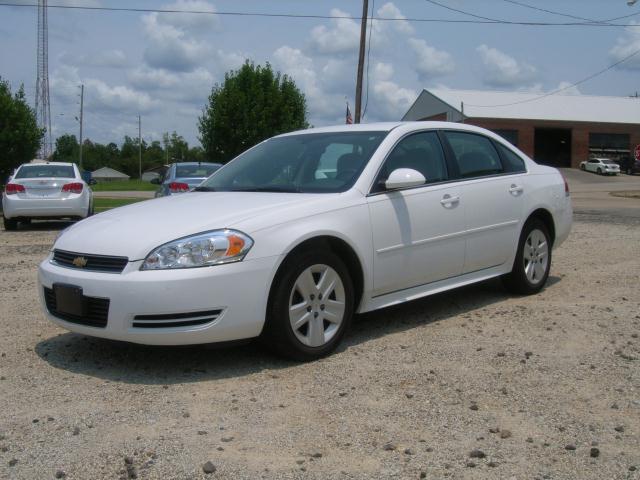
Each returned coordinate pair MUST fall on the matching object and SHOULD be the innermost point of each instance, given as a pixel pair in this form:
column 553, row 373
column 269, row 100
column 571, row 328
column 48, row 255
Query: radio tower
column 43, row 109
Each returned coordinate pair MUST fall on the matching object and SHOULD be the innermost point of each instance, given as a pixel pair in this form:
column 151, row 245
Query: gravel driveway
column 468, row 384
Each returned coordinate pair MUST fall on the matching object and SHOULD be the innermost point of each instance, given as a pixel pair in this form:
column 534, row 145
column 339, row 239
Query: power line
column 479, row 19
column 553, row 92
column 586, row 22
column 552, row 12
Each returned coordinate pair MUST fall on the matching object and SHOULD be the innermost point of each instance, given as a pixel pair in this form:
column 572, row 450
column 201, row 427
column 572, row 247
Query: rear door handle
column 449, row 200
column 516, row 189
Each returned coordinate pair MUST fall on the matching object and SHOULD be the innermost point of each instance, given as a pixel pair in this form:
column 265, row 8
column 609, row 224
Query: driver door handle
column 449, row 200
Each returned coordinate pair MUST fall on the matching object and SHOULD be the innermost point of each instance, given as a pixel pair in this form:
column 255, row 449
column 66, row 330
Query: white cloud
column 191, row 21
column 389, row 10
column 389, row 101
column 107, row 58
column 568, row 89
column 171, row 47
column 191, row 87
column 342, row 37
column 502, row 70
column 431, row 62
column 625, row 46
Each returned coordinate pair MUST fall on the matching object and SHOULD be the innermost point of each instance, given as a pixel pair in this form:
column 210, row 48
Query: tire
column 583, row 168
column 599, row 171
column 527, row 277
column 300, row 283
column 10, row 224
column 25, row 221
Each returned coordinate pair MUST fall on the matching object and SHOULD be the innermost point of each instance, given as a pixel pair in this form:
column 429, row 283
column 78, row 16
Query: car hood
column 133, row 231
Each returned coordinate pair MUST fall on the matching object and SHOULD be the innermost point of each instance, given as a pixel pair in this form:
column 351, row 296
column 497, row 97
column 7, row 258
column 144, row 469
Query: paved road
column 591, row 194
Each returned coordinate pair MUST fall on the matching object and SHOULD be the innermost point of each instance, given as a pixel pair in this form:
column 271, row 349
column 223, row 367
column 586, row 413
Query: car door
column 418, row 232
column 493, row 185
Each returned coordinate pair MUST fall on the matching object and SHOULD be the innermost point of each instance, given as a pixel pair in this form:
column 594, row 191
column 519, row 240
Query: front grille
column 97, row 310
column 94, row 263
column 172, row 320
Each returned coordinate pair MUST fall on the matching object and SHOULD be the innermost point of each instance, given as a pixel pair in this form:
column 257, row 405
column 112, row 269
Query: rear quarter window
column 511, row 161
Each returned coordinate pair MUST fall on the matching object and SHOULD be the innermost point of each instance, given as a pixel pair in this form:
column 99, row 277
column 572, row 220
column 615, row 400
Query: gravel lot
column 539, row 387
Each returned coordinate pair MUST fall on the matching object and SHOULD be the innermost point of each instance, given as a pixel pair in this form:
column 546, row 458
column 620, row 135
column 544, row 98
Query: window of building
column 609, row 145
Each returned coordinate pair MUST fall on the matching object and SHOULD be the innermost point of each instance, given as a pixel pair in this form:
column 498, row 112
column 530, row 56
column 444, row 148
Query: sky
column 162, row 66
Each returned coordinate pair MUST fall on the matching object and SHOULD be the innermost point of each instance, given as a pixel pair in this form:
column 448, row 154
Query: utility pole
column 139, row 148
column 363, row 39
column 81, row 114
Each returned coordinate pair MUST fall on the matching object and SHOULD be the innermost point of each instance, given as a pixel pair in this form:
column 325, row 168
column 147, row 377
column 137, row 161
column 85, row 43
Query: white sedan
column 45, row 191
column 291, row 238
column 601, row 166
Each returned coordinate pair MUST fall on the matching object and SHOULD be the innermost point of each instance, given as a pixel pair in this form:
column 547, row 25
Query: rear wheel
column 582, row 167
column 311, row 306
column 599, row 171
column 10, row 223
column 533, row 260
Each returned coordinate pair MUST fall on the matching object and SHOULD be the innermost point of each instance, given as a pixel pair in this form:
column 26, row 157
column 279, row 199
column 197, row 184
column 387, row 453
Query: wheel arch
column 334, row 244
column 545, row 216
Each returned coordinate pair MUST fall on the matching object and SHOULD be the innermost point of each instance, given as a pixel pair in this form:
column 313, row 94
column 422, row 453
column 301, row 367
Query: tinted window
column 195, row 171
column 474, row 154
column 421, row 152
column 511, row 161
column 45, row 171
column 306, row 163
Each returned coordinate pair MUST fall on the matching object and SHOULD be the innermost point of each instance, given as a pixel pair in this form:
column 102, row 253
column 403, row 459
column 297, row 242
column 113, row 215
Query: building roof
column 106, row 172
column 531, row 106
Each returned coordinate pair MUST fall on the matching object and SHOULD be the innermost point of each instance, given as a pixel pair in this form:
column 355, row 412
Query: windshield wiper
column 267, row 189
column 204, row 189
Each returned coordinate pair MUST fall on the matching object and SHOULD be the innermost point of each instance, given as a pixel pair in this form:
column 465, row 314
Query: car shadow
column 44, row 225
column 155, row 365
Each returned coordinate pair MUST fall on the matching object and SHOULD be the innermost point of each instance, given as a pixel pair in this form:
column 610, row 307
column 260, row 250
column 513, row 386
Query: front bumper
column 239, row 290
column 14, row 206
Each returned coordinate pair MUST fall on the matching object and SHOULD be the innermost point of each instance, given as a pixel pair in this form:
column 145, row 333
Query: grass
column 102, row 204
column 123, row 186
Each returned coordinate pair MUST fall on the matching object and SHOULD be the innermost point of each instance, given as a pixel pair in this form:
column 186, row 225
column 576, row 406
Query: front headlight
column 201, row 250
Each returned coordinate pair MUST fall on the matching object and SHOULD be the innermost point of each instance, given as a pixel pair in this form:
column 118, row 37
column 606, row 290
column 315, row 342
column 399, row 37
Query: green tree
column 252, row 104
column 177, row 148
column 20, row 136
column 67, row 149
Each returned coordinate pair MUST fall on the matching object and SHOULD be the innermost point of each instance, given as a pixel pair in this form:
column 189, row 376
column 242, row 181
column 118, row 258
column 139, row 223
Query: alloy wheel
column 536, row 256
column 317, row 304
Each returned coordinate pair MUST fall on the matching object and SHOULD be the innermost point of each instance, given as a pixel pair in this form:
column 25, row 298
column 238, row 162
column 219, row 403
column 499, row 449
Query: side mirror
column 155, row 181
column 403, row 178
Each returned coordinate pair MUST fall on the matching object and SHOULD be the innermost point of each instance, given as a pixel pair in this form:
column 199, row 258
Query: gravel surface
column 468, row 384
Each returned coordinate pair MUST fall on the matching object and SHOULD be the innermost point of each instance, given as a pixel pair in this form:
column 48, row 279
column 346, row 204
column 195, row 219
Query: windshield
column 196, row 170
column 306, row 163
column 45, row 171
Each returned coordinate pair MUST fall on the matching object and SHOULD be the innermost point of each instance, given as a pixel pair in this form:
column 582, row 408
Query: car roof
column 386, row 127
column 65, row 164
column 197, row 163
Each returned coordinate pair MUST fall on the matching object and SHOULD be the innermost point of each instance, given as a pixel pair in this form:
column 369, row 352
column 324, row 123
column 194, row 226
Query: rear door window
column 474, row 154
column 512, row 162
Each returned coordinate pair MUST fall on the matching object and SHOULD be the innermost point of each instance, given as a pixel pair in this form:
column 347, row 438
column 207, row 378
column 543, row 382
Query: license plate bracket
column 69, row 299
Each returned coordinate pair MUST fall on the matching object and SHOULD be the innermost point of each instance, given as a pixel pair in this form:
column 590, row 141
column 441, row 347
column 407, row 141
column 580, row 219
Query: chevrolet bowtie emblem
column 80, row 262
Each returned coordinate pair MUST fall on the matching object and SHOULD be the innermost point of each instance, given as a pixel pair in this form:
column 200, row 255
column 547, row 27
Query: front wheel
column 599, row 171
column 533, row 260
column 311, row 306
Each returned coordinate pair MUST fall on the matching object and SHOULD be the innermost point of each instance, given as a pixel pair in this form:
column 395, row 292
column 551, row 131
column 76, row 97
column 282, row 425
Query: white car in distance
column 601, row 166
column 49, row 190
column 291, row 238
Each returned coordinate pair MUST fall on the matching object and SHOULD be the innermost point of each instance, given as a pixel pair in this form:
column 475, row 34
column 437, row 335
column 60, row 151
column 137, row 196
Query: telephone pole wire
column 363, row 40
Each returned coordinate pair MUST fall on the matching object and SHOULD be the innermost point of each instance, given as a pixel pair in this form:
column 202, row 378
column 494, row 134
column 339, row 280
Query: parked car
column 182, row 177
column 291, row 238
column 630, row 166
column 601, row 166
column 50, row 190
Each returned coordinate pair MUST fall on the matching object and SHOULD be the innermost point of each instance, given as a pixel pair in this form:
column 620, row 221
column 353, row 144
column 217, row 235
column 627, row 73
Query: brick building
column 559, row 130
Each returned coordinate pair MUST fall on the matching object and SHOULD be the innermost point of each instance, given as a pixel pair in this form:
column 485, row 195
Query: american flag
column 349, row 118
